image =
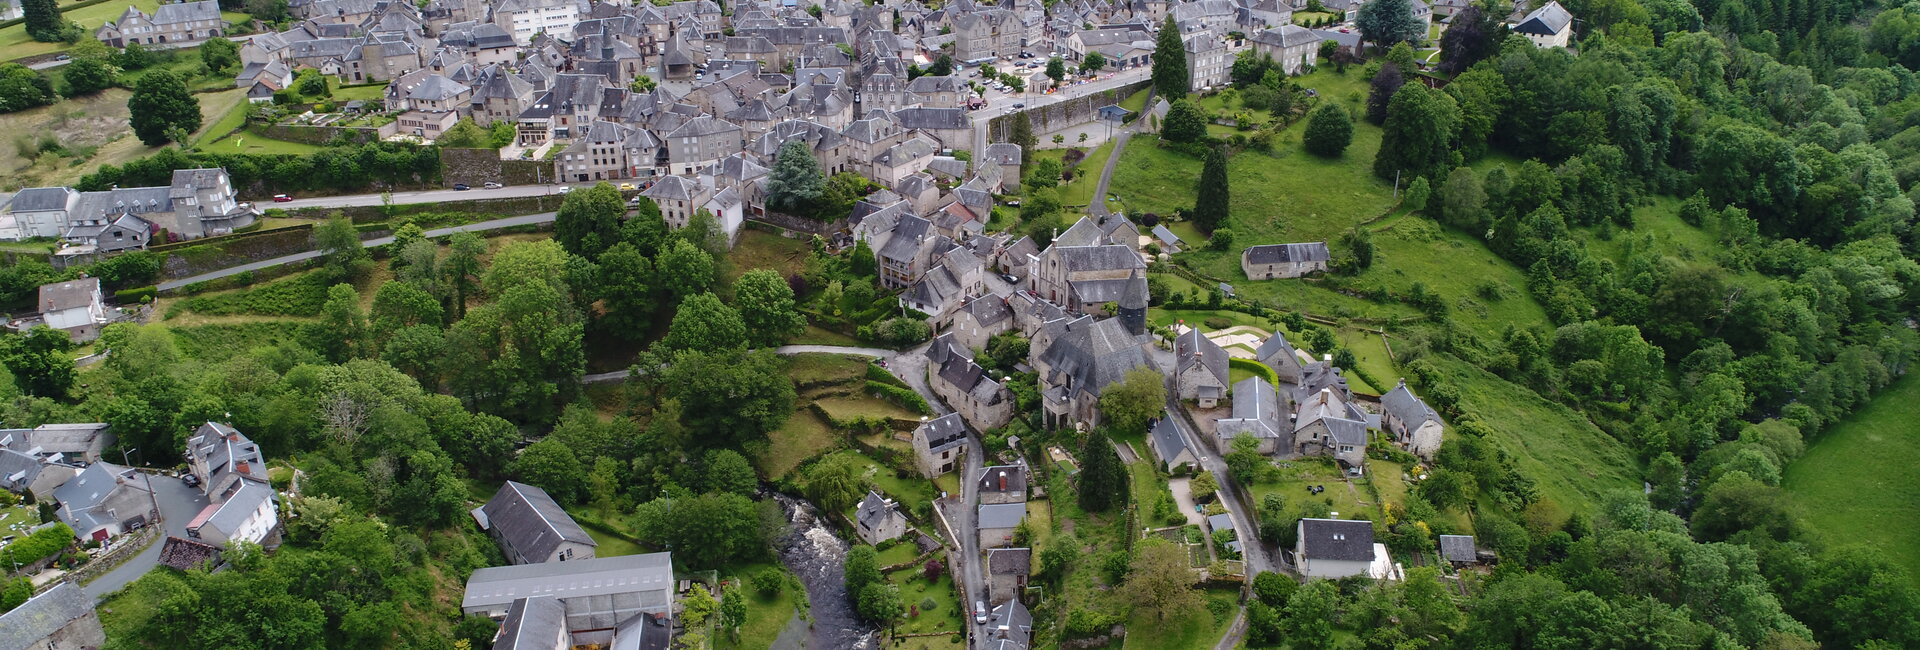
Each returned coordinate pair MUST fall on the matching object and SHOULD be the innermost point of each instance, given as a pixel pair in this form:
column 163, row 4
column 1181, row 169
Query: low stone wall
column 800, row 224
column 1060, row 115
column 318, row 135
column 476, row 166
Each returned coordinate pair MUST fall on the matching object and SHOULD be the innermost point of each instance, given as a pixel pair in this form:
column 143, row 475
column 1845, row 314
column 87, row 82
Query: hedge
column 879, row 374
column 41, row 544
column 901, row 396
column 296, row 296
column 1257, row 368
column 135, row 295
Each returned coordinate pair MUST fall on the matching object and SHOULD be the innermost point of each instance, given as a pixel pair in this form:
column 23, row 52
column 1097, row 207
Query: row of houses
column 197, row 203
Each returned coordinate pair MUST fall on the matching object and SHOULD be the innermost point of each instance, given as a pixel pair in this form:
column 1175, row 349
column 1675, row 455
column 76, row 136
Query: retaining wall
column 1060, row 115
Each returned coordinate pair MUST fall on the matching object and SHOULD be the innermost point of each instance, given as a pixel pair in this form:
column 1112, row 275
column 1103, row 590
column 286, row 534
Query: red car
column 281, row 198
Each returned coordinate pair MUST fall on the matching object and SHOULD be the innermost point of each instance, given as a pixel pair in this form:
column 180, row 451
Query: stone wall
column 477, row 166
column 318, row 135
column 222, row 252
column 1060, row 115
column 800, row 224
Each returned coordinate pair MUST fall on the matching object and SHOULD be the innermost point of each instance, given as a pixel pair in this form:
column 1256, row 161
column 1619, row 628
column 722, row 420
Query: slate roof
column 1286, row 36
column 1002, row 515
column 226, row 450
column 187, row 11
column 87, row 490
column 643, row 632
column 874, row 509
column 1403, row 404
column 241, row 502
column 1458, row 548
column 1010, row 561
column 1167, row 441
column 1012, row 622
column 1099, row 258
column 17, row 470
column 72, row 294
column 991, row 478
column 945, row 432
column 1004, row 153
column 1284, row 253
column 36, row 199
column 1548, row 20
column 1195, row 349
column 41, row 616
column 988, row 310
column 1222, row 521
column 1165, row 236
column 436, row 88
column 1337, row 539
column 1094, row 354
column 908, row 234
column 529, row 520
column 532, row 624
column 1256, row 411
column 1275, row 347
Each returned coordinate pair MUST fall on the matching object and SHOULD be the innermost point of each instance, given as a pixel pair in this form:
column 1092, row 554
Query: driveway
column 1183, row 498
column 178, row 505
column 483, row 226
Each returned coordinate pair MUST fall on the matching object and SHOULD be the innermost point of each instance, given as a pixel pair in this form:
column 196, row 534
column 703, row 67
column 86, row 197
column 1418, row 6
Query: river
column 811, row 550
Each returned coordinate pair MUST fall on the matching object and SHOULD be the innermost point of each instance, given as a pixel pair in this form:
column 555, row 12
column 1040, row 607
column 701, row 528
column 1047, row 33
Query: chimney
column 1324, row 393
column 240, row 467
column 234, row 437
column 1327, row 358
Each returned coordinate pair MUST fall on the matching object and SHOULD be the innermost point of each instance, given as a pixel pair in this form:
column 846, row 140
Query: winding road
column 496, row 224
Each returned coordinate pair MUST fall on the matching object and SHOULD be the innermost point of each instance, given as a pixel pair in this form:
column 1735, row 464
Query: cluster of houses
column 555, row 593
column 197, row 203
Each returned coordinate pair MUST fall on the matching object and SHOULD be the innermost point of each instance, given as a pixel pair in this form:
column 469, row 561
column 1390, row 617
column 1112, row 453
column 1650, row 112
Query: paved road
column 423, row 196
column 495, row 224
column 1099, row 206
column 178, row 505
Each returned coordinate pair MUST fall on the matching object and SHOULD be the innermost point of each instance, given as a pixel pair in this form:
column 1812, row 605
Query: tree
column 704, row 323
column 1472, row 34
column 766, row 304
column 1245, row 462
column 462, row 267
column 627, row 292
column 1159, row 582
column 43, row 20
column 1329, row 131
column 684, row 269
column 1389, row 22
column 1022, row 133
column 1380, row 92
column 589, row 220
column 729, row 397
column 733, row 610
column 87, row 76
column 642, row 84
column 1420, row 129
column 551, row 465
column 1737, row 502
column 834, row 482
column 346, row 327
column 1667, row 476
column 22, row 88
column 398, row 305
column 880, row 603
column 1308, row 617
column 1093, row 62
column 941, row 67
column 267, row 10
column 340, row 249
column 1103, row 480
column 161, row 108
column 861, row 263
column 1463, row 201
column 861, row 568
column 709, row 530
column 1210, row 204
column 728, row 471
column 219, row 54
column 1415, row 198
column 795, row 183
column 1129, row 403
column 38, row 361
column 843, row 191
column 1186, row 122
column 1171, row 80
column 522, row 354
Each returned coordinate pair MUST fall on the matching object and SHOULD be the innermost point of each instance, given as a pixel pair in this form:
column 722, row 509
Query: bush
column 1216, row 323
column 1085, row 623
column 879, row 374
column 1257, row 368
column 297, row 296
column 769, row 582
column 905, row 398
column 42, row 544
column 135, row 295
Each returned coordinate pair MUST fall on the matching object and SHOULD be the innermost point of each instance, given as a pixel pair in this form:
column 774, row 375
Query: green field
column 17, row 45
column 251, row 141
column 1198, row 629
column 765, row 614
column 1852, row 484
column 802, row 437
column 1573, row 460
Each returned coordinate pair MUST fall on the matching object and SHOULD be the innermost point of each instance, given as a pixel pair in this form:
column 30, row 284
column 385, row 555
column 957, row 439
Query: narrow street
column 178, row 504
column 483, row 226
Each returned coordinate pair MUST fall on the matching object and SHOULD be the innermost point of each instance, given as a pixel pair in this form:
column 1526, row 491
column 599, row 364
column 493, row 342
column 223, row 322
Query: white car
column 566, row 188
column 980, row 612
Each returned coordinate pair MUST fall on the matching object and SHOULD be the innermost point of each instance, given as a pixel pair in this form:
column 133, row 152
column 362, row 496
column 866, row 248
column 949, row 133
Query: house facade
column 1333, row 548
column 878, row 519
column 1284, row 260
column 1199, row 369
column 939, row 443
column 75, row 307
column 1410, row 421
column 170, row 25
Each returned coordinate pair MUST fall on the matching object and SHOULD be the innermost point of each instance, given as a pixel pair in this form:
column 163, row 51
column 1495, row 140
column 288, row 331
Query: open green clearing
column 803, row 436
column 765, row 614
column 759, row 249
column 908, row 492
column 15, row 42
column 1198, row 629
column 1850, row 485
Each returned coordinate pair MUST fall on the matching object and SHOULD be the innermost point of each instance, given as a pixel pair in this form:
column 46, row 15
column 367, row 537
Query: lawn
column 1135, row 102
column 943, row 615
column 816, row 335
column 803, row 436
column 1485, row 291
column 230, row 105
column 825, row 368
column 368, row 91
column 759, row 249
column 18, row 520
column 609, row 544
column 251, row 141
column 908, row 492
column 1573, row 461
column 1847, row 490
column 1293, row 479
column 1371, row 353
column 863, row 405
column 765, row 614
column 1197, row 629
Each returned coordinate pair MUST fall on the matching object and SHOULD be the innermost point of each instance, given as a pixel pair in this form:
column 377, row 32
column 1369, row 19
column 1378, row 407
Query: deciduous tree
column 1329, row 131
column 161, row 107
column 1186, row 122
column 766, row 305
column 589, row 220
column 706, row 324
column 87, row 76
column 219, row 54
column 1420, row 129
column 729, row 397
column 1159, row 580
column 1139, row 396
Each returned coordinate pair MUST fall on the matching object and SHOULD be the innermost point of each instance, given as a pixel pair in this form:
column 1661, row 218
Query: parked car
column 628, row 187
column 980, row 612
column 1019, row 104
column 490, row 185
column 1010, row 278
column 281, row 198
column 191, row 480
column 460, row 187
column 566, row 188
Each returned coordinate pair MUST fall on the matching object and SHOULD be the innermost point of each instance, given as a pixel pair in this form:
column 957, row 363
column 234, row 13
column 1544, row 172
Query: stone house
column 1078, row 359
column 245, row 512
column 1293, row 47
column 1007, row 572
column 38, row 212
column 524, row 18
column 966, row 387
column 878, row 519
column 105, row 500
column 219, row 456
column 1256, row 413
column 1281, row 356
column 1284, row 260
column 1208, row 62
column 1199, row 369
column 75, row 307
column 1327, row 425
column 1164, row 438
column 998, row 521
column 1548, row 26
column 977, row 321
column 1410, row 421
column 939, row 443
column 170, row 25
column 699, row 142
column 1335, row 548
column 1002, row 484
column 60, row 618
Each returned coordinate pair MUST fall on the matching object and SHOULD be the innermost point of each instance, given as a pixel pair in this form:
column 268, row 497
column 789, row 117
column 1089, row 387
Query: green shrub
column 879, row 374
column 135, row 295
column 1257, row 368
column 296, row 296
column 42, row 544
column 905, row 398
column 1217, row 323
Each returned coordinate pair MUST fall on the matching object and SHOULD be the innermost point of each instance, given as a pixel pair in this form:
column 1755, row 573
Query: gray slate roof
column 532, row 623
column 1094, row 353
column 1458, row 548
column 1010, row 561
column 1002, row 515
column 1013, row 477
column 874, row 509
column 1283, row 253
column 34, row 199
column 945, row 431
column 531, row 522
column 603, row 576
column 1403, row 404
column 1167, row 441
column 1545, row 21
column 1337, row 539
column 1256, row 411
column 1195, row 349
column 43, row 615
